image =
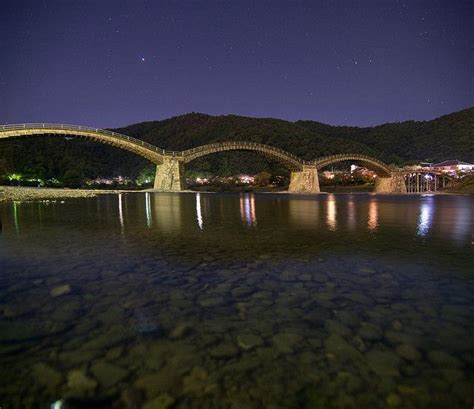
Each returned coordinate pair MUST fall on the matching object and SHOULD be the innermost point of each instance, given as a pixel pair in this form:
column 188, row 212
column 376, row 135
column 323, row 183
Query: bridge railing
column 329, row 158
column 67, row 127
column 244, row 144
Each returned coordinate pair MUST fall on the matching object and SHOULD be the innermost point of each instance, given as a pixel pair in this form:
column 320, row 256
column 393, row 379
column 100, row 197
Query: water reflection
column 120, row 206
column 373, row 217
column 148, row 209
column 247, row 209
column 15, row 216
column 426, row 216
column 331, row 212
column 198, row 210
column 445, row 217
column 167, row 211
column 303, row 213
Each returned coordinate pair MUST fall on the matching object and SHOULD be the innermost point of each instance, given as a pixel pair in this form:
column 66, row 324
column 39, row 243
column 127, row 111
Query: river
column 238, row 301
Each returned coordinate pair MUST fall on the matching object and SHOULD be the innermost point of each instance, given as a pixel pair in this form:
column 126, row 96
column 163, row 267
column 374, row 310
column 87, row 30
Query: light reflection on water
column 247, row 209
column 148, row 209
column 199, row 211
column 373, row 218
column 426, row 216
column 331, row 215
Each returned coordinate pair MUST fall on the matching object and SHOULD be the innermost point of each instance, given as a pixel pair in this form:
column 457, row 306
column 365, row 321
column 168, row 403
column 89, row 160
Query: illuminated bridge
column 170, row 164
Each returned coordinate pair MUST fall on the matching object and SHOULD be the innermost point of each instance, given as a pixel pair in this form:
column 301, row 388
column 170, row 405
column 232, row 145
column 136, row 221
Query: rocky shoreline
column 28, row 194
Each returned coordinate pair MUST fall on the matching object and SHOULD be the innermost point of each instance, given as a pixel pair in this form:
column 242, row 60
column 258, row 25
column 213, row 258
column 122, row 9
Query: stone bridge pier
column 169, row 175
column 305, row 181
column 395, row 183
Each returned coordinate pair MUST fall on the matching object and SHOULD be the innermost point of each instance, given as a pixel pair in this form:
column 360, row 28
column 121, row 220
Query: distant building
column 453, row 167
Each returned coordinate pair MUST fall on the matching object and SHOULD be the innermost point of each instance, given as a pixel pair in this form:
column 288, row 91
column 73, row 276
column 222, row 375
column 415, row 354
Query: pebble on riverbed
column 60, row 290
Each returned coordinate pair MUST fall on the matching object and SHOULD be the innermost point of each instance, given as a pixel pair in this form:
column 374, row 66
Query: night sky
column 113, row 63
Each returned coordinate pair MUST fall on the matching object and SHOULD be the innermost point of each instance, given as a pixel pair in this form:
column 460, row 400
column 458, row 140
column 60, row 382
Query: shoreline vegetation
column 33, row 194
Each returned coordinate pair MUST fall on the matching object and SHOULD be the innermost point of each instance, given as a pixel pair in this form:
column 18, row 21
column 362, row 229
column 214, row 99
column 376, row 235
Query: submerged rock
column 337, row 347
column 226, row 350
column 286, row 342
column 79, row 383
column 198, row 382
column 180, row 331
column 249, row 341
column 47, row 376
column 442, row 359
column 60, row 290
column 370, row 332
column 163, row 401
column 108, row 374
column 408, row 352
column 383, row 363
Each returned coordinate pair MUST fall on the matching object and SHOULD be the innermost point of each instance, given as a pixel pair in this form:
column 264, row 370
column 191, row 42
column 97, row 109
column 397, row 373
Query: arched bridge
column 371, row 163
column 170, row 164
column 291, row 161
column 142, row 148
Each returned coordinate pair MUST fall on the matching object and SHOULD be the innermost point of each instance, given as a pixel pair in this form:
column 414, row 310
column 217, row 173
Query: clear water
column 238, row 301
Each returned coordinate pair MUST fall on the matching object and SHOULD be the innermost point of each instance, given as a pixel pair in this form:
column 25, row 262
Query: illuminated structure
column 170, row 164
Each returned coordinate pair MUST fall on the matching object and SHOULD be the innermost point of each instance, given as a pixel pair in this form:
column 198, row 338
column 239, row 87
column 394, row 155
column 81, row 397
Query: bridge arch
column 292, row 162
column 371, row 163
column 141, row 148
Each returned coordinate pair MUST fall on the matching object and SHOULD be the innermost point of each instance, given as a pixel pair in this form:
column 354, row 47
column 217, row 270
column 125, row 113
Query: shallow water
column 238, row 301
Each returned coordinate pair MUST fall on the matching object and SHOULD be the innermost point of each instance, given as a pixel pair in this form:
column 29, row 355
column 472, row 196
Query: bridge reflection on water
column 446, row 217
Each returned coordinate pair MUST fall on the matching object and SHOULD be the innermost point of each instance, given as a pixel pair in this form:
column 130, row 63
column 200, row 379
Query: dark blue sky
column 112, row 63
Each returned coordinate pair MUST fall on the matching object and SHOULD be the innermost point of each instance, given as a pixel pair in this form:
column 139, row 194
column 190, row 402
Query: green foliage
column 147, row 175
column 262, row 179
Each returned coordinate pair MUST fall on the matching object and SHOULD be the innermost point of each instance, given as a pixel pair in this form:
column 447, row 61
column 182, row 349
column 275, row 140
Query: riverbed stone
column 383, row 363
column 155, row 383
column 338, row 348
column 60, row 290
column 210, row 301
column 249, row 341
column 286, row 342
column 114, row 336
column 79, row 383
column 108, row 374
column 181, row 330
column 25, row 330
column 335, row 327
column 198, row 382
column 224, row 351
column 393, row 400
column 370, row 332
column 408, row 352
column 442, row 359
column 47, row 376
column 164, row 401
column 347, row 318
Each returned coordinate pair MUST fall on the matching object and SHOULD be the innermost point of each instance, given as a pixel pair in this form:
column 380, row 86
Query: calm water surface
column 238, row 301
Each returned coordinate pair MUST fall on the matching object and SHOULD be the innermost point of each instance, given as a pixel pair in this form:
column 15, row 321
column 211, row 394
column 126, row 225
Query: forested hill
column 448, row 137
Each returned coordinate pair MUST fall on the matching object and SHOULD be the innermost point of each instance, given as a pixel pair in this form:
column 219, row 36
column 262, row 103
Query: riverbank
column 29, row 194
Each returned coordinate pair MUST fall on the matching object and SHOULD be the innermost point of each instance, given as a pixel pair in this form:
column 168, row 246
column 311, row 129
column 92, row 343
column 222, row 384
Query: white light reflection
column 198, row 210
column 247, row 209
column 148, row 209
column 373, row 217
column 121, row 212
column 426, row 217
column 15, row 216
column 331, row 212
